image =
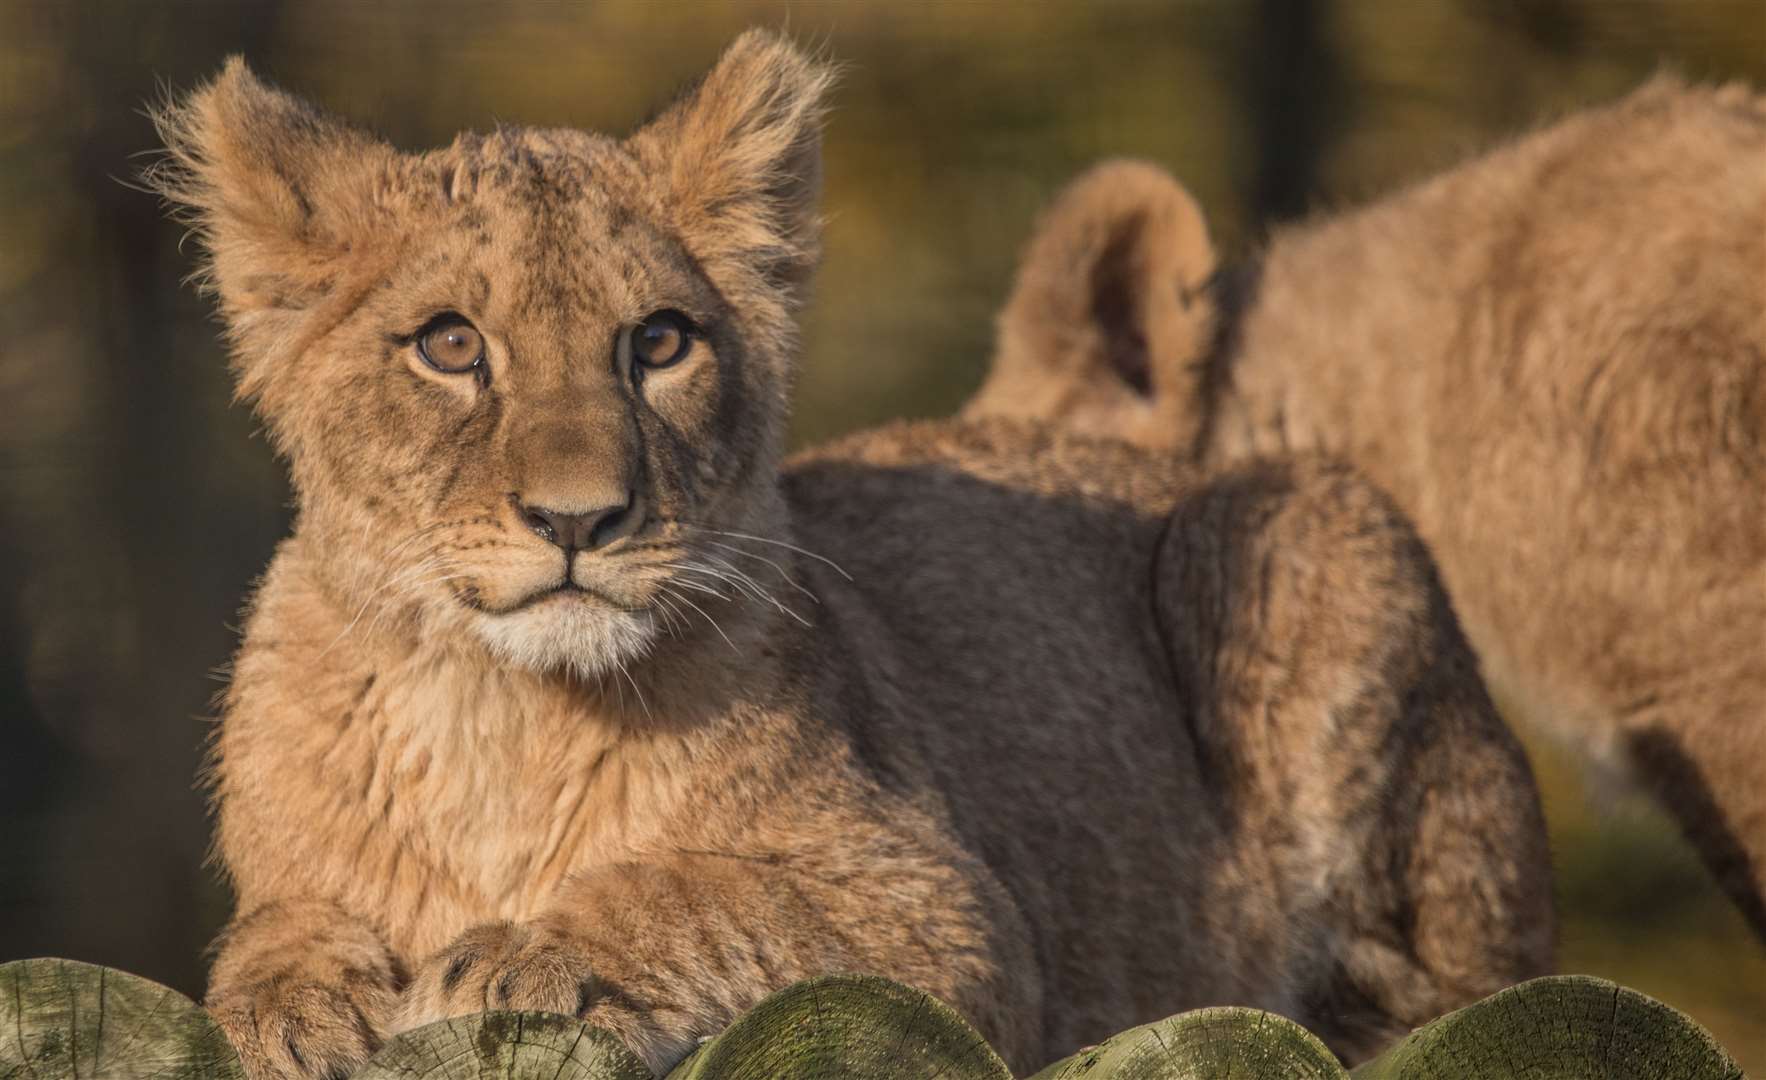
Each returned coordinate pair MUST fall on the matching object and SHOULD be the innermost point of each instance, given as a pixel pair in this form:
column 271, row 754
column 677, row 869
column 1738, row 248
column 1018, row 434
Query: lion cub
column 1553, row 357
column 566, row 695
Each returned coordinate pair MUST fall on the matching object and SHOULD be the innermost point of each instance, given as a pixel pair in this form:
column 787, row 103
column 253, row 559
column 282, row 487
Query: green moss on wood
column 61, row 1019
column 849, row 1026
column 507, row 1045
column 1207, row 1044
column 1563, row 1027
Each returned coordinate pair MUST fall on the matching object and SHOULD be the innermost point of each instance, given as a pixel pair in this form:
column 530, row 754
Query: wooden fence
column 61, row 1019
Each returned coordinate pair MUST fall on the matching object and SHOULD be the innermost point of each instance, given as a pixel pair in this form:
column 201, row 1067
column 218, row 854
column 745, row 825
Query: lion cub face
column 521, row 381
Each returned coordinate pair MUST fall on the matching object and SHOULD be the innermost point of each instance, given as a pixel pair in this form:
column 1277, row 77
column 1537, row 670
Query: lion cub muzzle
column 576, row 480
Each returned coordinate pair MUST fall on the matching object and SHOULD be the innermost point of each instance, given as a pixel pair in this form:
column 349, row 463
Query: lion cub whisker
column 622, row 670
column 779, row 543
column 695, row 585
column 749, row 578
column 745, row 586
column 714, row 623
column 397, row 580
column 789, row 580
column 669, row 614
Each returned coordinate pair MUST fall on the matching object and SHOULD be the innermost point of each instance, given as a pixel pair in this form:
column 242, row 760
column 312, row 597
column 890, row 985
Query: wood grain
column 505, row 1045
column 849, row 1026
column 1244, row 1044
column 1562, row 1027
column 62, row 1019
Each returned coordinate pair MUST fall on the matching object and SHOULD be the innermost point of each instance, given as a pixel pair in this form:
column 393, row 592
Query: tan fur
column 1114, row 280
column 1068, row 737
column 1554, row 357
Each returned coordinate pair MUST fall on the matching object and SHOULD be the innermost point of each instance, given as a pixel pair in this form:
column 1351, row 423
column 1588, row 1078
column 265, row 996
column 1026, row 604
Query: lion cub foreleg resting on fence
column 566, row 695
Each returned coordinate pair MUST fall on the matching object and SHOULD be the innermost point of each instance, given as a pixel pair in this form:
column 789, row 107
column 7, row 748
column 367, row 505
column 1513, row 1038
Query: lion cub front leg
column 633, row 949
column 303, row 989
column 664, row 952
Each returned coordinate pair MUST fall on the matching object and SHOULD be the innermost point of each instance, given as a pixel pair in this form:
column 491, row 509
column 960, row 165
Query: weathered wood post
column 1245, row 1044
column 61, row 1019
column 856, row 1027
column 1562, row 1027
column 509, row 1045
column 851, row 1027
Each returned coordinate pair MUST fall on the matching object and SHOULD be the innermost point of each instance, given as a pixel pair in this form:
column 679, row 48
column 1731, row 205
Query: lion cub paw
column 285, row 1029
column 500, row 966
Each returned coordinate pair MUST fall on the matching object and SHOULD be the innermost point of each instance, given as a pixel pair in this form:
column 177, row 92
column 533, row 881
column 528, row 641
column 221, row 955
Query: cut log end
column 1562, row 1027
column 851, row 1026
column 1203, row 1045
column 62, row 1020
column 511, row 1045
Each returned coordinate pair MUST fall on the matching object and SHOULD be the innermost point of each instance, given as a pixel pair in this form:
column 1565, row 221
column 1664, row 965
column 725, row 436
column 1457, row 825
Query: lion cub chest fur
column 437, row 790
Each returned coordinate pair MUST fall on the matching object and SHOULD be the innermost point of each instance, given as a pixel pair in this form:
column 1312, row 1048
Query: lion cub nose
column 586, row 530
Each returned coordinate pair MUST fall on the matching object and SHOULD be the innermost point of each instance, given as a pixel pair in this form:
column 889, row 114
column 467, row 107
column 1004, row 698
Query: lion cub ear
column 279, row 196
column 738, row 158
column 1110, row 313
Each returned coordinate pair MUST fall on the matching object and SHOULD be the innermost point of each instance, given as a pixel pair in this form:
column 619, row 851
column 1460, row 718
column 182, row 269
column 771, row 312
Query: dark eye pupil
column 660, row 342
column 662, row 339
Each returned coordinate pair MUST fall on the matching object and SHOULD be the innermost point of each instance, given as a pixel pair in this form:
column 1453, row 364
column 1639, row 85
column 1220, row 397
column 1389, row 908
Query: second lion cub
column 546, row 704
column 1553, row 356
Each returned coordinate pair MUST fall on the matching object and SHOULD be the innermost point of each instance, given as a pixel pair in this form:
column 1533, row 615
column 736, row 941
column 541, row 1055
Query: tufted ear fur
column 1110, row 316
column 283, row 198
column 738, row 159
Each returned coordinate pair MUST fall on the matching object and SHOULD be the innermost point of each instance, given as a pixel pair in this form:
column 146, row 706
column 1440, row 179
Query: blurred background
column 137, row 505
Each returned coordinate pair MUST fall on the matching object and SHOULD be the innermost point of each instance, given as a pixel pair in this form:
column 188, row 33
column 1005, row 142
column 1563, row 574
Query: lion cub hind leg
column 1379, row 816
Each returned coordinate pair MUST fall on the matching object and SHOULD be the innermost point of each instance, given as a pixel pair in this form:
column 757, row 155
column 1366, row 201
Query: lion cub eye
column 663, row 338
column 451, row 344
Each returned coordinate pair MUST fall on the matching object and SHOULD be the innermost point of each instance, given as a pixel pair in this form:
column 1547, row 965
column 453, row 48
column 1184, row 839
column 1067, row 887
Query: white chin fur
column 583, row 638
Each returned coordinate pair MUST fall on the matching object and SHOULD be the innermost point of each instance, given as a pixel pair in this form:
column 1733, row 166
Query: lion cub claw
column 501, row 965
column 282, row 1027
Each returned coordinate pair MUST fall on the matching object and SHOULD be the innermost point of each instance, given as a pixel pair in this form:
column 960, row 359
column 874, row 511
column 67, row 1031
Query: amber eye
column 451, row 344
column 663, row 338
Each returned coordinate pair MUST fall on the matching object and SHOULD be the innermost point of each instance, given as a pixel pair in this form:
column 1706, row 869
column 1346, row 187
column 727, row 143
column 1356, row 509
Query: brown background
column 136, row 505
